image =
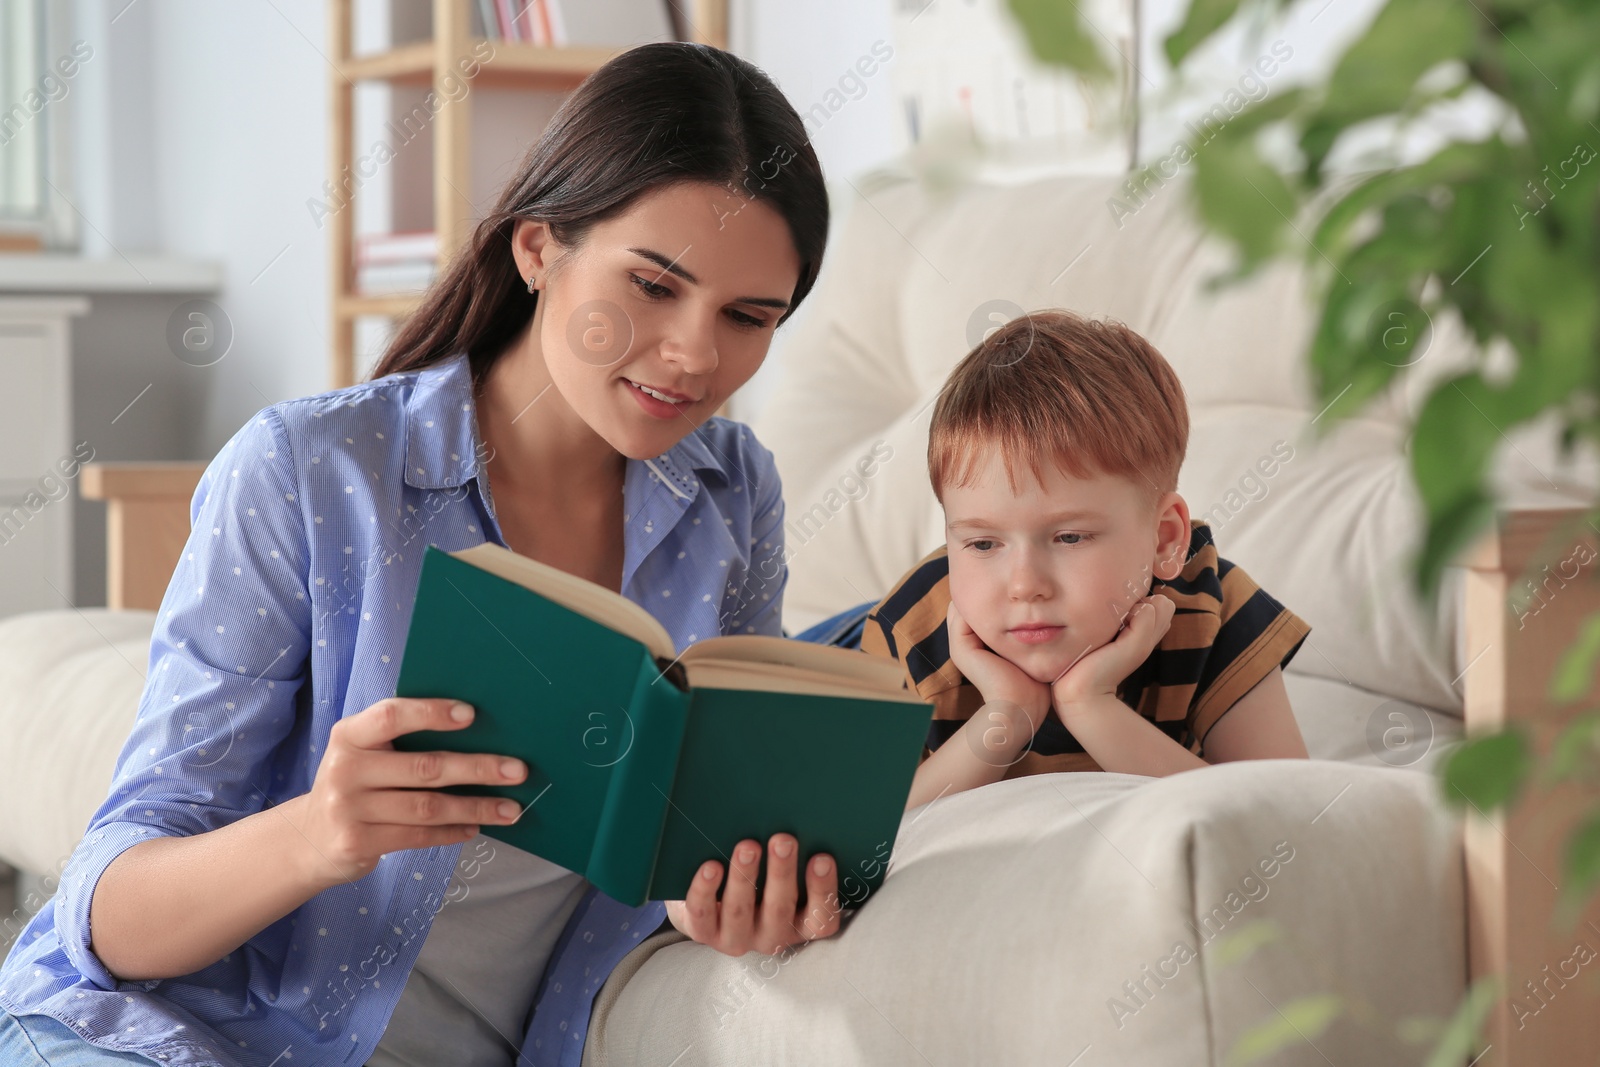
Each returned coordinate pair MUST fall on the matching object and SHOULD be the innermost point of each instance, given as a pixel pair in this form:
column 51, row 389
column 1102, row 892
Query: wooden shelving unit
column 514, row 65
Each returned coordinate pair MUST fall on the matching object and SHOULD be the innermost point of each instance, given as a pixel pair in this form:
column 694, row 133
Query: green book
column 644, row 764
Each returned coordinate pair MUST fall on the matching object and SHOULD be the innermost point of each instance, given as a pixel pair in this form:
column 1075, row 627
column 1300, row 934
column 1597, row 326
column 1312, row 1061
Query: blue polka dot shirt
column 287, row 611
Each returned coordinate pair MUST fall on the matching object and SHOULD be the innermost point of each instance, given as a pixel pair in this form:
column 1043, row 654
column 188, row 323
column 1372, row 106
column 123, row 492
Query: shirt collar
column 443, row 447
column 441, row 427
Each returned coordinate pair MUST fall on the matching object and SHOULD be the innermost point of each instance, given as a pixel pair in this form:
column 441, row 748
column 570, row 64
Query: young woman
column 266, row 881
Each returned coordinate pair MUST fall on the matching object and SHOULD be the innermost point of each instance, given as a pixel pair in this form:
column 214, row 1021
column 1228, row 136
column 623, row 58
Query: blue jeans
column 41, row 1041
column 842, row 630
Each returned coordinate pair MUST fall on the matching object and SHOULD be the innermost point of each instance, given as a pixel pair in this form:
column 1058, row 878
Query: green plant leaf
column 1452, row 441
column 1242, row 197
column 1576, row 751
column 1487, row 771
column 1407, row 38
column 1448, row 168
column 1378, row 72
column 1581, row 861
column 1451, row 445
column 1449, row 533
column 1347, row 368
column 1057, row 34
column 1242, row 943
column 1463, row 1035
column 1300, row 1020
column 1203, row 19
column 1574, row 673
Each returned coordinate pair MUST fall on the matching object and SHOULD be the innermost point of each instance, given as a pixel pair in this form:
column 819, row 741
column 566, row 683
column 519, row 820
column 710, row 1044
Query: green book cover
column 643, row 765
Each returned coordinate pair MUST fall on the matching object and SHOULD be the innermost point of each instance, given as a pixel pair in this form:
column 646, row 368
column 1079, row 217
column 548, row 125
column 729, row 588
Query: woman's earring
column 531, row 279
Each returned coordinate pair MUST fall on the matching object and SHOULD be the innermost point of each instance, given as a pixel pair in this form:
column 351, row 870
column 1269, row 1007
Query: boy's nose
column 1029, row 583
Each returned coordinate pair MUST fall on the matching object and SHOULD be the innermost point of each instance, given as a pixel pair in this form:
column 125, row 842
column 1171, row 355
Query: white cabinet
column 39, row 460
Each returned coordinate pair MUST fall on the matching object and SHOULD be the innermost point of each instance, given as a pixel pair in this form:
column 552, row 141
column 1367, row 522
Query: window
column 26, row 91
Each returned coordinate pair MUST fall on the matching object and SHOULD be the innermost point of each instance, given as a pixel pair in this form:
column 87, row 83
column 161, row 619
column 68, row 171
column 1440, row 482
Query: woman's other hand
column 736, row 925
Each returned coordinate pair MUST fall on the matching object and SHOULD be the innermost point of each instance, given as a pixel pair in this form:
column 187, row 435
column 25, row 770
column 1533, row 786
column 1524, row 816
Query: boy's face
column 1045, row 575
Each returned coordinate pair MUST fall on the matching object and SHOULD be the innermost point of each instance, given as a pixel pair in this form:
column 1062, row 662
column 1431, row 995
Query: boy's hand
column 997, row 678
column 1102, row 670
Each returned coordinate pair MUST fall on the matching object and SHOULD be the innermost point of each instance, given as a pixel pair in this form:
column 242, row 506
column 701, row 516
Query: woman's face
column 661, row 312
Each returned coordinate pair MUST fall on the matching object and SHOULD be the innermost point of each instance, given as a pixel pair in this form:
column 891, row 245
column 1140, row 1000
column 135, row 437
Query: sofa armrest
column 147, row 523
column 1548, row 1013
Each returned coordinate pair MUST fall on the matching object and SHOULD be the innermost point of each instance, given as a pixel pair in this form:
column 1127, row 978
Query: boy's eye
column 980, row 545
column 1079, row 541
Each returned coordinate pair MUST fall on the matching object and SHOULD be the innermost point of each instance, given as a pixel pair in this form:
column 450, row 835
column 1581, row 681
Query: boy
column 1076, row 618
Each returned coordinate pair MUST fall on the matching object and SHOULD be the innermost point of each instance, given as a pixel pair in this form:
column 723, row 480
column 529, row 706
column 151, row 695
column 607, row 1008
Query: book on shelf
column 485, row 21
column 578, row 22
column 608, row 22
column 533, row 21
column 644, row 763
column 373, row 279
column 400, row 246
column 504, row 19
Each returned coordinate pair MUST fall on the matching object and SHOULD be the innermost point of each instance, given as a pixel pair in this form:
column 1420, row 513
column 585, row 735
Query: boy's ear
column 1172, row 536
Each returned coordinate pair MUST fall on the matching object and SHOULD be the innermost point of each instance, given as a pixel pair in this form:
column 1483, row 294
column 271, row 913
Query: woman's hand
column 735, row 925
column 1101, row 671
column 368, row 799
column 997, row 678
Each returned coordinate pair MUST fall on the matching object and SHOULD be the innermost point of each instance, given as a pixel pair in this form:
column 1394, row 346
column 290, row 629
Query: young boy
column 1076, row 618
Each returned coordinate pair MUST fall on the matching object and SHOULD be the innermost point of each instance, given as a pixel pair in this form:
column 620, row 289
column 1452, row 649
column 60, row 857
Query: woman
column 268, row 875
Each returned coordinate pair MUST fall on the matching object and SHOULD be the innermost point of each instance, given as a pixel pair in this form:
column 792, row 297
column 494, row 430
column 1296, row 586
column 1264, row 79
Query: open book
column 643, row 763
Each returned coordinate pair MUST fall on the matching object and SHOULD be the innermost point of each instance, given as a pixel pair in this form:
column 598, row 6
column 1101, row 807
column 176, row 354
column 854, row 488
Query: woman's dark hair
column 655, row 115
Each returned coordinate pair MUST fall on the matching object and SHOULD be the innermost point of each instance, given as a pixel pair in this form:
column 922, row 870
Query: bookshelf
column 513, row 65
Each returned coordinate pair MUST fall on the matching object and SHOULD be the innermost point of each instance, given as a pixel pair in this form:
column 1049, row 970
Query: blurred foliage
column 1499, row 230
column 1295, row 1022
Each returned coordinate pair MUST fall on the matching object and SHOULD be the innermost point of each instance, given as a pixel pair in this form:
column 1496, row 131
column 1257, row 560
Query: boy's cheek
column 968, row 593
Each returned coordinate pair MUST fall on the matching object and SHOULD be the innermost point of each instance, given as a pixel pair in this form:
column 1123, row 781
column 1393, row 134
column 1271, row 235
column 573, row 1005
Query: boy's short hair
column 1092, row 396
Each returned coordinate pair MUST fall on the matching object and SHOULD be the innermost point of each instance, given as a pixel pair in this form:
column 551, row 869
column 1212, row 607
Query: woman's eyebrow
column 670, row 266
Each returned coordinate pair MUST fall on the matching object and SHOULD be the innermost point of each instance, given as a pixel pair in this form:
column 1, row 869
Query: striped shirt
column 1227, row 634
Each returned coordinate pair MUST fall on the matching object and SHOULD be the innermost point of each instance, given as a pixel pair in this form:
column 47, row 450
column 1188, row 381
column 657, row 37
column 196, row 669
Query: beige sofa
column 1050, row 920
column 1095, row 918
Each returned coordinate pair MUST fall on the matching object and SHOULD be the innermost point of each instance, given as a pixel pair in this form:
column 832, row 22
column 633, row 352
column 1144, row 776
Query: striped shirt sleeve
column 1256, row 633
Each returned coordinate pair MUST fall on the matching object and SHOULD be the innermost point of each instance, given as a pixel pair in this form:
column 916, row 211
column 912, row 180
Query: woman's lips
column 660, row 409
column 1035, row 635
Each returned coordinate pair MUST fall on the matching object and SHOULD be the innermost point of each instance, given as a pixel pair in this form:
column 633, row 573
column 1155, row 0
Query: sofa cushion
column 71, row 682
column 1030, row 919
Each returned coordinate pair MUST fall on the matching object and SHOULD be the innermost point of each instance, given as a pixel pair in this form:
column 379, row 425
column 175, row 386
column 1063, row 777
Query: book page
column 707, row 673
column 827, row 660
column 805, row 667
column 581, row 595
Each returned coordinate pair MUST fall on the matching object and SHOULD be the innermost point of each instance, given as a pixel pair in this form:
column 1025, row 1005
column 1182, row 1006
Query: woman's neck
column 536, row 442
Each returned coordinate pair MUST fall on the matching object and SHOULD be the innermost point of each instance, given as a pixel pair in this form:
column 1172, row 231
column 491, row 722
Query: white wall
column 806, row 49
column 202, row 135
